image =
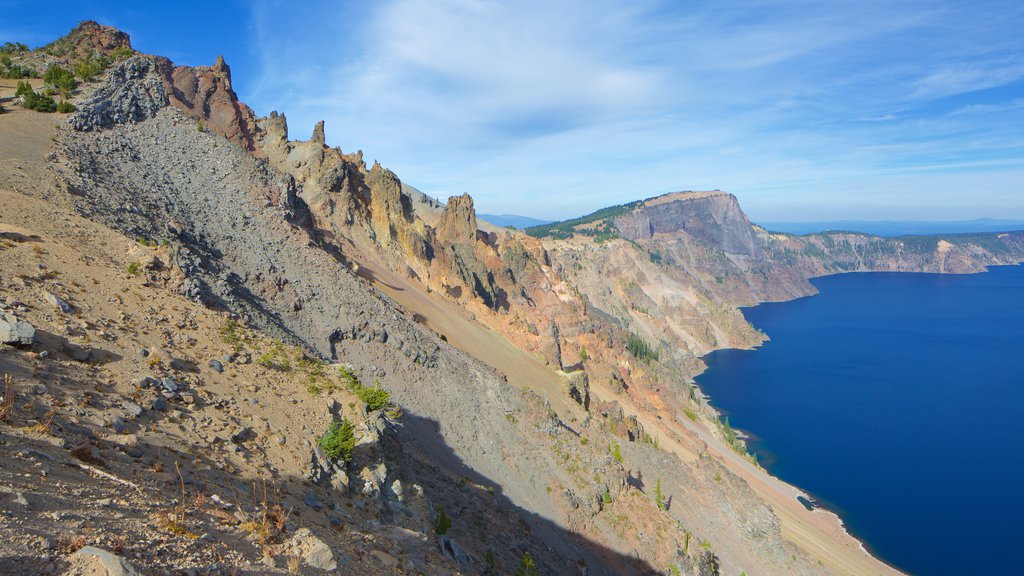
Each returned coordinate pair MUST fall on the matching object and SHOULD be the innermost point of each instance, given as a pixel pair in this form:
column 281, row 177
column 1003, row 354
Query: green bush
column 375, row 398
column 22, row 89
column 339, row 440
column 526, row 566
column 443, row 524
column 122, row 53
column 13, row 72
column 87, row 69
column 60, row 78
column 615, row 451
column 13, row 48
column 39, row 102
column 65, row 107
column 640, row 349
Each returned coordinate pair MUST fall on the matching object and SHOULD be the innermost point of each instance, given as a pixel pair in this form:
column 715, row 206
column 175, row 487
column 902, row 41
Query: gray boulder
column 15, row 331
column 111, row 563
column 58, row 302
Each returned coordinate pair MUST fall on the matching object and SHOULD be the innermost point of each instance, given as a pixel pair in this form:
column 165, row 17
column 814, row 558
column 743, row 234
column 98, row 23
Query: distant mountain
column 513, row 220
column 897, row 227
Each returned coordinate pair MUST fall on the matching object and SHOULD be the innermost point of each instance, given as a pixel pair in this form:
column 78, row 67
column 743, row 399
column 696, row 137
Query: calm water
column 897, row 401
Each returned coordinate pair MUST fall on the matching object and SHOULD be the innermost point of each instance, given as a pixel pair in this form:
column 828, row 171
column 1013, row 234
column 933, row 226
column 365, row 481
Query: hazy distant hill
column 897, row 227
column 513, row 220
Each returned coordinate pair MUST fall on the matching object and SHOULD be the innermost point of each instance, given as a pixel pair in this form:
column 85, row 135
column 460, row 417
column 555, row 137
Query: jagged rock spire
column 318, row 133
column 458, row 221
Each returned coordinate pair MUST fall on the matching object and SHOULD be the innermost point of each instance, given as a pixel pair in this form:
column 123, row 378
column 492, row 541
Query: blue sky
column 804, row 110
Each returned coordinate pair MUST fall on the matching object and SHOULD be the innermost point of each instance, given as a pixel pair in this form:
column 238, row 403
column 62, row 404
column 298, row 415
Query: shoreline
column 773, row 483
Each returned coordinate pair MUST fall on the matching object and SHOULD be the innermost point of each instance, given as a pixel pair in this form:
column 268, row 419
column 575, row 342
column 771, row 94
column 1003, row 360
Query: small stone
column 312, row 501
column 118, row 425
column 143, row 352
column 242, row 434
column 44, row 355
column 20, row 499
column 169, row 384
column 216, row 365
column 133, row 409
column 159, row 403
column 398, row 490
column 188, row 399
column 58, row 302
column 386, row 560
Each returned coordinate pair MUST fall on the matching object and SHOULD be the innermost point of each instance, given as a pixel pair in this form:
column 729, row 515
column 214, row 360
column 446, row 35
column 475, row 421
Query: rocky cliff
column 541, row 383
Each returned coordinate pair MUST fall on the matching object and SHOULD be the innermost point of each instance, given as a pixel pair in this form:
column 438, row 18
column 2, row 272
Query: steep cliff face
column 206, row 93
column 714, row 218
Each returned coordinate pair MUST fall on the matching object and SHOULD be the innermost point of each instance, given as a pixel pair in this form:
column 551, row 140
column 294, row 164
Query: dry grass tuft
column 44, row 427
column 173, row 521
column 7, row 401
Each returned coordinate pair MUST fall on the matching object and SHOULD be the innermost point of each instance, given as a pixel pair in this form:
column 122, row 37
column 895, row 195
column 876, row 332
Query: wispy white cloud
column 554, row 108
column 1016, row 104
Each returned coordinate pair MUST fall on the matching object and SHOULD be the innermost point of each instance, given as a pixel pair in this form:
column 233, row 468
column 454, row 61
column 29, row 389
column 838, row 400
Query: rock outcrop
column 205, row 93
column 458, row 221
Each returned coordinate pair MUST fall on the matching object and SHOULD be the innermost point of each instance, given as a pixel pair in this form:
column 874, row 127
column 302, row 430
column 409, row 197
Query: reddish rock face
column 205, row 93
column 458, row 221
column 89, row 37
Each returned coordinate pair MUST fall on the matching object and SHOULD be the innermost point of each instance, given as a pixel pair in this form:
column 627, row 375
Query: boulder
column 58, row 302
column 15, row 331
column 97, row 562
column 313, row 551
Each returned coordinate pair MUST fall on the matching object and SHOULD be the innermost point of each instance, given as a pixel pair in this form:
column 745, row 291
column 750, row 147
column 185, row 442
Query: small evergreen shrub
column 339, row 440
column 527, row 566
column 65, row 107
column 39, row 102
column 60, row 78
column 22, row 89
column 122, row 53
column 13, row 48
column 375, row 398
column 640, row 349
column 615, row 451
column 443, row 524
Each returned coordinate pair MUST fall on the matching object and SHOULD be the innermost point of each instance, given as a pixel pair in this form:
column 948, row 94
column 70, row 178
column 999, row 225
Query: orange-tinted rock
column 458, row 221
column 205, row 93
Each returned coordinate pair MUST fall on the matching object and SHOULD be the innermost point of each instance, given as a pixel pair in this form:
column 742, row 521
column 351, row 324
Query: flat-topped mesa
column 711, row 217
column 458, row 221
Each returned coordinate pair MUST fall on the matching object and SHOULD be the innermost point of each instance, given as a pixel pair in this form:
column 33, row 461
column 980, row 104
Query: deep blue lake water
column 896, row 400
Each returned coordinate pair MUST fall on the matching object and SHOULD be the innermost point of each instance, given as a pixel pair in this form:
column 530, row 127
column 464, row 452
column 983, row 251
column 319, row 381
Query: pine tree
column 527, row 567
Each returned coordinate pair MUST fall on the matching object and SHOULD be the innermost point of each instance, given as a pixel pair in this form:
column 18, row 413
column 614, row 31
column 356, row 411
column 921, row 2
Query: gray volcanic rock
column 133, row 92
column 111, row 563
column 16, row 331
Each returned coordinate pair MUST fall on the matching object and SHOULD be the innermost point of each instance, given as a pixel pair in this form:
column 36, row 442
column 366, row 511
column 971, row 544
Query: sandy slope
column 819, row 532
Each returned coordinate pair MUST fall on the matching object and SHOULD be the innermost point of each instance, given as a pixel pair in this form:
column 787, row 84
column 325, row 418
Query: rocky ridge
column 189, row 217
column 301, row 241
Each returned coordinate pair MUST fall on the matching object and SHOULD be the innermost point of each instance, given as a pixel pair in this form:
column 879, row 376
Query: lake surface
column 897, row 401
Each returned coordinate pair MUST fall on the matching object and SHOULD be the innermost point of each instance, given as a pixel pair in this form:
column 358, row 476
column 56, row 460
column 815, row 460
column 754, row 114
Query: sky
column 910, row 110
